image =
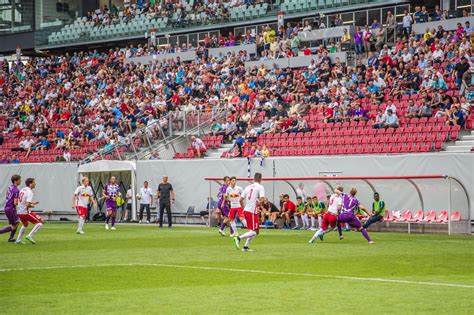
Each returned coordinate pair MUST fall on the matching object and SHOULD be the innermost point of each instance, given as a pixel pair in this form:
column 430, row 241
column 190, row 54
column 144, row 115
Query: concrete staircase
column 216, row 154
column 464, row 144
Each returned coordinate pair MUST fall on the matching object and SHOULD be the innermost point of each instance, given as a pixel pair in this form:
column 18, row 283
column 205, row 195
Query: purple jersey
column 112, row 191
column 12, row 194
column 349, row 203
column 221, row 195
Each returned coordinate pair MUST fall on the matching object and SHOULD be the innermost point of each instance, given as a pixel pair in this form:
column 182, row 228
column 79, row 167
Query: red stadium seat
column 406, row 216
column 456, row 216
column 429, row 217
column 442, row 218
column 417, row 217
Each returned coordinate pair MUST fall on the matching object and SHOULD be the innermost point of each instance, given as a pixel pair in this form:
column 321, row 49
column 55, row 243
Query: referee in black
column 164, row 198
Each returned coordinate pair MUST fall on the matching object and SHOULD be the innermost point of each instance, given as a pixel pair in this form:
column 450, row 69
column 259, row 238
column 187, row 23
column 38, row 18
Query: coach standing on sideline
column 164, row 198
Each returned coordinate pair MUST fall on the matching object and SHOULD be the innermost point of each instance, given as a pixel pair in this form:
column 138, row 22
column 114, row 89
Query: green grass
column 118, row 286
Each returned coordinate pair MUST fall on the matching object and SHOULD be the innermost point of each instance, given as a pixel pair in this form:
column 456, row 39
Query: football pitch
column 191, row 270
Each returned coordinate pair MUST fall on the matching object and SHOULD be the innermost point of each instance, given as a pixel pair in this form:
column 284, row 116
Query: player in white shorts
column 80, row 201
column 25, row 202
column 233, row 194
column 253, row 194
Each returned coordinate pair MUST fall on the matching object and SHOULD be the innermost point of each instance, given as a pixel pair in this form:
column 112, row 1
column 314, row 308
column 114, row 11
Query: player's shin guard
column 296, row 221
column 248, row 234
column 366, row 235
column 234, row 226
column 35, row 229
column 22, row 231
column 320, row 220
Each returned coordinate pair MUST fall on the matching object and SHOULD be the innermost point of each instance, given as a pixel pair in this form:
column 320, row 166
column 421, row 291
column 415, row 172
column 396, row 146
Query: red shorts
column 253, row 223
column 31, row 217
column 239, row 212
column 81, row 211
column 329, row 220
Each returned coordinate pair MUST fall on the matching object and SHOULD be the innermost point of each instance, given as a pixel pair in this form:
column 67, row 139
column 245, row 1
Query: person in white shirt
column 80, row 202
column 25, row 203
column 233, row 195
column 253, row 194
column 146, row 201
column 330, row 217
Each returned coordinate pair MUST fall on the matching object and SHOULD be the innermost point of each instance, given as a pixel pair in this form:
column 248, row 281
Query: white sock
column 244, row 222
column 296, row 220
column 347, row 226
column 79, row 224
column 318, row 232
column 22, row 231
column 234, row 226
column 313, row 222
column 247, row 242
column 305, row 221
column 35, row 229
column 248, row 234
column 320, row 220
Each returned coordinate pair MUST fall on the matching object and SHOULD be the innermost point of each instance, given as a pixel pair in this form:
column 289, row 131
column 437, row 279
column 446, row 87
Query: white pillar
column 134, row 199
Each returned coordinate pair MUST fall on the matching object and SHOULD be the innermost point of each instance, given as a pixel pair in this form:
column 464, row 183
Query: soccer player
column 329, row 221
column 301, row 213
column 80, row 202
column 316, row 209
column 253, row 194
column 347, row 214
column 234, row 196
column 25, row 203
column 10, row 207
column 223, row 205
column 378, row 211
column 110, row 193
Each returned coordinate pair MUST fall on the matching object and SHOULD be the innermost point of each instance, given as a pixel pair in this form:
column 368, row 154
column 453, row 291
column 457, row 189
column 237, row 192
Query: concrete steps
column 216, row 154
column 464, row 144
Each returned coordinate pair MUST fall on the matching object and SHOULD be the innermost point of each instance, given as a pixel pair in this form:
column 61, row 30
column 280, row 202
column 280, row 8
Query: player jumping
column 110, row 193
column 234, row 196
column 253, row 194
column 10, row 207
column 25, row 203
column 348, row 216
column 81, row 199
column 329, row 221
column 223, row 206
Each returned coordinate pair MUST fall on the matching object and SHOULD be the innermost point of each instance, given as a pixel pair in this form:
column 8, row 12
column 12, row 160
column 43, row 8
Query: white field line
column 295, row 274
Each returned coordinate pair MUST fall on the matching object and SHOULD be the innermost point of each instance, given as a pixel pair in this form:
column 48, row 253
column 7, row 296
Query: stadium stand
column 66, row 107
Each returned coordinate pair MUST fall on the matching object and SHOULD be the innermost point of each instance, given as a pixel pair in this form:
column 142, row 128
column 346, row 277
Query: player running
column 10, row 207
column 110, row 193
column 347, row 214
column 80, row 201
column 223, row 206
column 329, row 221
column 25, row 203
column 234, row 196
column 253, row 194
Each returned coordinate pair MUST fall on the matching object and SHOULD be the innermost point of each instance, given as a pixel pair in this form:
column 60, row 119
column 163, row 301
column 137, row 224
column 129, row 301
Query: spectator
column 198, row 146
column 379, row 120
column 412, row 110
column 146, row 202
column 380, row 38
column 358, row 38
column 406, row 23
column 391, row 120
column 67, row 156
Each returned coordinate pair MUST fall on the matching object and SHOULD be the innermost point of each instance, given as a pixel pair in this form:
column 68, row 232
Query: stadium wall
column 56, row 182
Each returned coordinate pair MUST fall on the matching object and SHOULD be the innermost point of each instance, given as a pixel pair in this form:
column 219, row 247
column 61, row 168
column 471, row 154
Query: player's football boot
column 247, row 249
column 106, row 226
column 221, row 232
column 30, row 239
column 113, row 228
column 321, row 237
column 80, row 232
column 19, row 242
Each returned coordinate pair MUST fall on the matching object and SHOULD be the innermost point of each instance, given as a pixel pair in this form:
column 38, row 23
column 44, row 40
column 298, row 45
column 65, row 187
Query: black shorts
column 129, row 206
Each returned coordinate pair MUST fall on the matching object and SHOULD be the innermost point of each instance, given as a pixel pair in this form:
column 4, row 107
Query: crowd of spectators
column 86, row 99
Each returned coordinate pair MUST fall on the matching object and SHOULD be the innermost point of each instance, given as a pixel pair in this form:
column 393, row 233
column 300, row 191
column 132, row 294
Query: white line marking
column 439, row 284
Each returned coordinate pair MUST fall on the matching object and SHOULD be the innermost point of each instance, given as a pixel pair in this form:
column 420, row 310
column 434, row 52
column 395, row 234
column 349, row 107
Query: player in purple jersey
column 347, row 215
column 10, row 207
column 110, row 192
column 224, row 206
